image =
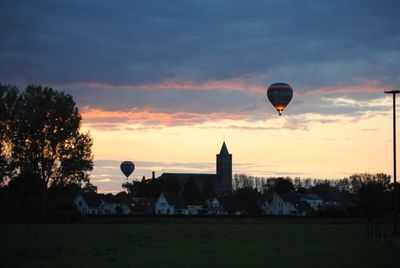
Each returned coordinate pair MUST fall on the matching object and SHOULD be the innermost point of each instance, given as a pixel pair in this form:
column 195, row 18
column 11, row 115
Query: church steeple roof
column 224, row 150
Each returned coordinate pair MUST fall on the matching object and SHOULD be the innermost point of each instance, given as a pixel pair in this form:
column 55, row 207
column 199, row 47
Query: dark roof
column 330, row 194
column 92, row 199
column 199, row 178
column 291, row 197
column 118, row 198
column 294, row 198
column 310, row 196
column 175, row 199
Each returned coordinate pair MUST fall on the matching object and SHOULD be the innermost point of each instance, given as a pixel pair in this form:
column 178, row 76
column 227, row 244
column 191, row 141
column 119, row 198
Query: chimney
column 153, row 175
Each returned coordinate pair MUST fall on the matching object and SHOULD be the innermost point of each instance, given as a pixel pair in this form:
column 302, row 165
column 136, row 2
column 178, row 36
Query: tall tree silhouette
column 45, row 139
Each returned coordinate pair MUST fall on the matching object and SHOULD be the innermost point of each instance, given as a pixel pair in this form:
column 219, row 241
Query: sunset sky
column 163, row 83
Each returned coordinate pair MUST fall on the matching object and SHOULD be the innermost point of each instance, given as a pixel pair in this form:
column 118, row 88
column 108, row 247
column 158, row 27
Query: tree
column 8, row 99
column 247, row 194
column 242, row 181
column 45, row 137
column 89, row 188
column 283, row 185
column 25, row 194
column 371, row 199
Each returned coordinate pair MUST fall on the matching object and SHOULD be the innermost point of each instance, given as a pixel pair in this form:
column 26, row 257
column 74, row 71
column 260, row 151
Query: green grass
column 194, row 245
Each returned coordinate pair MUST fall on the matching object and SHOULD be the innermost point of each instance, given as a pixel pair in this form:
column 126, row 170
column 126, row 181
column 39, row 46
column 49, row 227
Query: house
column 88, row 203
column 194, row 209
column 116, row 204
column 286, row 204
column 171, row 204
column 214, row 207
column 313, row 200
column 331, row 197
column 93, row 203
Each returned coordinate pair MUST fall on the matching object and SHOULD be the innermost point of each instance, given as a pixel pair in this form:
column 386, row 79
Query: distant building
column 221, row 181
column 313, row 200
column 93, row 203
column 170, row 204
column 287, row 204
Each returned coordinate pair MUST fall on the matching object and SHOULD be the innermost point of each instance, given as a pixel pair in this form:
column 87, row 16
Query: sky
column 164, row 83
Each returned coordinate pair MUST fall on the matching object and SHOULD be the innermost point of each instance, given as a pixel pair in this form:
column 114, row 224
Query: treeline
column 352, row 183
column 366, row 194
column 44, row 156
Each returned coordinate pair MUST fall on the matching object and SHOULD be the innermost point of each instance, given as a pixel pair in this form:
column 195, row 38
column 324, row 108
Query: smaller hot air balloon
column 127, row 167
column 280, row 94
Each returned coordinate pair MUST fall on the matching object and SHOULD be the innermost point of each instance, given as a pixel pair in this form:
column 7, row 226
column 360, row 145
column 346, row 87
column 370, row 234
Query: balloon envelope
column 280, row 94
column 127, row 167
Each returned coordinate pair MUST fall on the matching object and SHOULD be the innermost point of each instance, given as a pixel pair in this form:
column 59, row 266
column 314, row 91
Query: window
column 80, row 203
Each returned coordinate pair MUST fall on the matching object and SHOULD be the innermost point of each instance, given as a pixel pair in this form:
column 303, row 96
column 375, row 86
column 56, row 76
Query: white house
column 116, row 204
column 286, row 204
column 193, row 210
column 171, row 204
column 215, row 207
column 93, row 203
column 280, row 206
column 88, row 203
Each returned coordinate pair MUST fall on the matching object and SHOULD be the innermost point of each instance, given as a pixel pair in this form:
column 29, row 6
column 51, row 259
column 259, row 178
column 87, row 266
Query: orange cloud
column 95, row 117
column 237, row 84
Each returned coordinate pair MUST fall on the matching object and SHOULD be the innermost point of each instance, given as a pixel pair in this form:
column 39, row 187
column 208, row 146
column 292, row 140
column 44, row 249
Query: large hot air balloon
column 280, row 94
column 127, row 167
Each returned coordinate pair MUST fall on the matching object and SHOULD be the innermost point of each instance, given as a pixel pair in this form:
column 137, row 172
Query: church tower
column 224, row 168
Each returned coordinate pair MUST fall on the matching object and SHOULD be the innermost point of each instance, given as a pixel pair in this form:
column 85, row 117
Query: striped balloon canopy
column 280, row 94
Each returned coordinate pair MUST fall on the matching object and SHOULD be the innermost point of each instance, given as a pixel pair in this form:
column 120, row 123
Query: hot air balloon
column 127, row 167
column 280, row 94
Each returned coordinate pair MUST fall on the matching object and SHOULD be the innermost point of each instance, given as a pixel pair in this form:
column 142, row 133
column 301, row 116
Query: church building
column 222, row 180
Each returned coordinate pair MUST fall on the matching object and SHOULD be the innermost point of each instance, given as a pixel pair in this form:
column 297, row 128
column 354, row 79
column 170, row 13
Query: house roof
column 330, row 194
column 294, row 198
column 92, row 199
column 289, row 197
column 175, row 199
column 310, row 196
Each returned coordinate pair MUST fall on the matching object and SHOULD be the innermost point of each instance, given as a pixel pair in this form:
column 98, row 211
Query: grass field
column 194, row 245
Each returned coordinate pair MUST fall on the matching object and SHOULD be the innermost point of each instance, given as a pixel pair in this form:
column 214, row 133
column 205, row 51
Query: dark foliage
column 44, row 158
column 247, row 194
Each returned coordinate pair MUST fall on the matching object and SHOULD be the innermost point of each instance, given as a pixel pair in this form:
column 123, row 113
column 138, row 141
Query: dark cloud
column 139, row 41
column 309, row 44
